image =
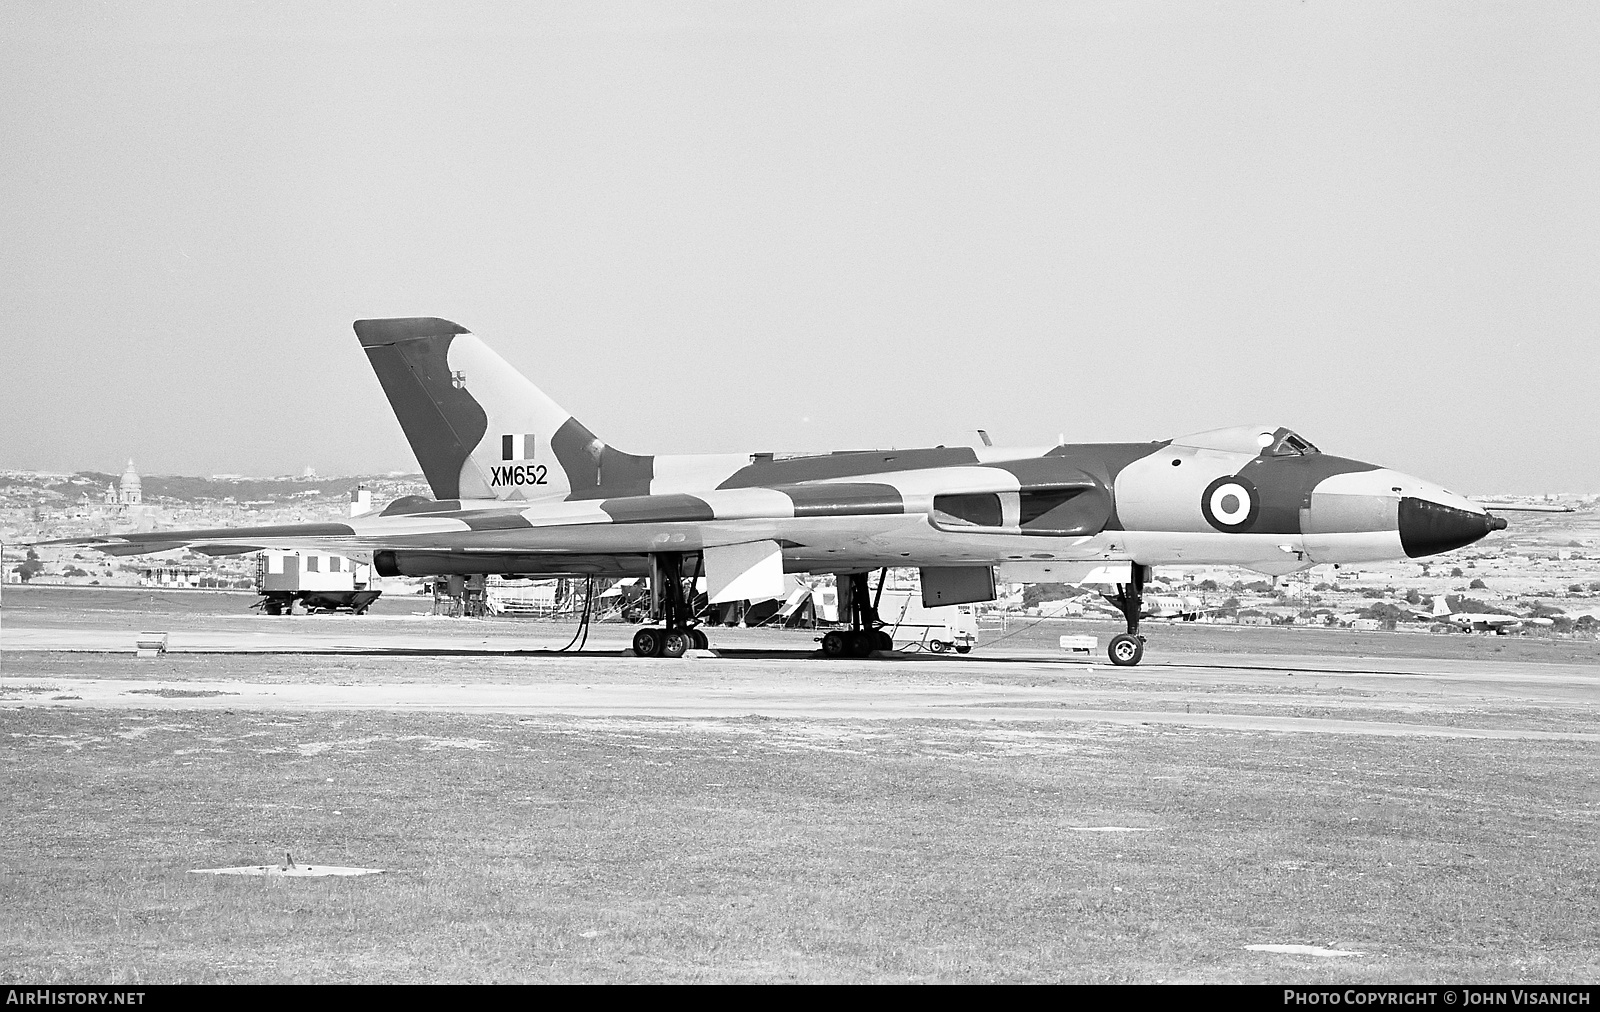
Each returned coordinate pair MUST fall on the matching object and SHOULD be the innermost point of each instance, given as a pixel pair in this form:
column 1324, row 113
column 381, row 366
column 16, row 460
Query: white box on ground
column 1086, row 644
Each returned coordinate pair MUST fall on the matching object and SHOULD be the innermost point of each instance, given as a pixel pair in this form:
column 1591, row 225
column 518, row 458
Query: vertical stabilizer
column 479, row 428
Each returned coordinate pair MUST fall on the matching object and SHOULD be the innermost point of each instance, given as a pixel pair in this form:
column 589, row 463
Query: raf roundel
column 1230, row 504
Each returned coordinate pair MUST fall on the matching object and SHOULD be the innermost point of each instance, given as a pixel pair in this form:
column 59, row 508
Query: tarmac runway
column 910, row 702
column 398, row 664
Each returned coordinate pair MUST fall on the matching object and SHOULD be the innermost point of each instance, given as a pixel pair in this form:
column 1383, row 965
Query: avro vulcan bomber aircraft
column 520, row 487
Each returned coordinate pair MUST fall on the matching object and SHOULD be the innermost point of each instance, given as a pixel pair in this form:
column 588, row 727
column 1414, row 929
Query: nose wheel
column 1126, row 649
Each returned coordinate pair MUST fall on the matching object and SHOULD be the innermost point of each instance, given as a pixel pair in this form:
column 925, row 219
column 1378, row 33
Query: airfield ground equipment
column 1080, row 644
column 316, row 581
column 940, row 628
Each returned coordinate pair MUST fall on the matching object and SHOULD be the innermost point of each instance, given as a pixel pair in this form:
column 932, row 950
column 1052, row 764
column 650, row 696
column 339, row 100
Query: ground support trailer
column 912, row 623
column 316, row 581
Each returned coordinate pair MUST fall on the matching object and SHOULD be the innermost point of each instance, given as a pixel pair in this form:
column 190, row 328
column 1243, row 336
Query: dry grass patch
column 640, row 850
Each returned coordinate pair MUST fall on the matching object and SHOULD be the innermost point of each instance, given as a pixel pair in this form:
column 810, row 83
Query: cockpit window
column 1289, row 444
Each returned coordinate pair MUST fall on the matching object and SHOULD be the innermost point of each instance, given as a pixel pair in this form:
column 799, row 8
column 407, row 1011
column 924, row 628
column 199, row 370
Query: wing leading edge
column 853, row 519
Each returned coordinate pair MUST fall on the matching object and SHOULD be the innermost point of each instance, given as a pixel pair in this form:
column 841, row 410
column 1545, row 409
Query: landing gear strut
column 1127, row 648
column 672, row 609
column 866, row 632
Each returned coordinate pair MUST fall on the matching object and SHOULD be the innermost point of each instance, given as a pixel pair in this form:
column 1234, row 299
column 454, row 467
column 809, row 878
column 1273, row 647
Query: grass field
column 761, row 850
column 625, row 848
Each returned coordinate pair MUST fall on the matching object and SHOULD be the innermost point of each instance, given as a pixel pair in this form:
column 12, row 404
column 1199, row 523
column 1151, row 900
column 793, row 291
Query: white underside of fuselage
column 847, row 544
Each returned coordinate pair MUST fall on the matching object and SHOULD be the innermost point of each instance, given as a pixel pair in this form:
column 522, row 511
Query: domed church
column 131, row 492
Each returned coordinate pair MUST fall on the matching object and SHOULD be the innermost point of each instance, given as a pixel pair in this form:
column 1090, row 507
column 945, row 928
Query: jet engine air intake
column 1074, row 511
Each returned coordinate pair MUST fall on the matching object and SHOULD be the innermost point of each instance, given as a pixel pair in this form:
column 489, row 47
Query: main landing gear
column 673, row 609
column 1126, row 649
column 866, row 632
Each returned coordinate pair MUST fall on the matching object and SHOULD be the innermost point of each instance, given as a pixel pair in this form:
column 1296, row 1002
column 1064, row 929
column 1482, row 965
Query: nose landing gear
column 1127, row 649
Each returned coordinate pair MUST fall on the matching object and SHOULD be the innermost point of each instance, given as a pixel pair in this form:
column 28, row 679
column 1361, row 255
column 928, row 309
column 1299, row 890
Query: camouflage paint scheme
column 522, row 487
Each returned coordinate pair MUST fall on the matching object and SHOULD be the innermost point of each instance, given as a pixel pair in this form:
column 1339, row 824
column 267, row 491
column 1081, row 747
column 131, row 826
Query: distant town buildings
column 42, row 506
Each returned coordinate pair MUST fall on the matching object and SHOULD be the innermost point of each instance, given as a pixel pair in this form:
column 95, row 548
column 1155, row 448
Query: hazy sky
column 746, row 226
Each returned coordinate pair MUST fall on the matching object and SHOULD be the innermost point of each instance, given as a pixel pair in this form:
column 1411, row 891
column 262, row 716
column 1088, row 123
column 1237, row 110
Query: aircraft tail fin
column 479, row 428
column 1441, row 607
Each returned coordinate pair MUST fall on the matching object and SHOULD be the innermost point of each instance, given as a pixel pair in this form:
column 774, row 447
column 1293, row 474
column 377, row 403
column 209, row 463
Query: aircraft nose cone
column 1428, row 528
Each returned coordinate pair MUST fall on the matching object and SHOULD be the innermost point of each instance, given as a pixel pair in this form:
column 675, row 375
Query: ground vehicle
column 318, row 581
column 910, row 621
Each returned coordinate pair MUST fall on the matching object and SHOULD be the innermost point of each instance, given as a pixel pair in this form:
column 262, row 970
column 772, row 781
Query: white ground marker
column 1303, row 950
column 289, row 870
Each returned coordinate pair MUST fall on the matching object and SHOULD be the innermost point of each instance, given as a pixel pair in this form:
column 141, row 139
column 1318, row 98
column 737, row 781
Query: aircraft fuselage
column 521, row 487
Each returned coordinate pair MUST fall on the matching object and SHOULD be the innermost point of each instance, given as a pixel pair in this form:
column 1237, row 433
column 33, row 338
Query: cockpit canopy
column 1267, row 440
